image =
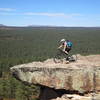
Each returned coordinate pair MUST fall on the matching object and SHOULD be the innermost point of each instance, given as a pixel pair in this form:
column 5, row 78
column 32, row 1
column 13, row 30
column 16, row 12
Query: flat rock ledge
column 82, row 76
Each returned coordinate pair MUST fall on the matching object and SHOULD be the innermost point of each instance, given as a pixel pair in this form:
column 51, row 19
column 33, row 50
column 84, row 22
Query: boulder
column 82, row 76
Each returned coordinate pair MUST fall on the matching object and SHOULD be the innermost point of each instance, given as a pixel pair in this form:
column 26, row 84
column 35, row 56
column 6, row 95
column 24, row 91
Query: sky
column 74, row 13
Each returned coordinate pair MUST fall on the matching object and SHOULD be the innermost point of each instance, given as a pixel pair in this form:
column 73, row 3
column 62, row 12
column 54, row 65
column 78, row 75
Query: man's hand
column 58, row 47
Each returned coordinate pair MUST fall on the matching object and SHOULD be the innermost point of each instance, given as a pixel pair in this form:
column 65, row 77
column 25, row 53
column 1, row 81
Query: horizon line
column 3, row 25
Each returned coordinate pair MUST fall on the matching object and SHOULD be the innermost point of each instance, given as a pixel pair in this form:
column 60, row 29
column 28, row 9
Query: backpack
column 69, row 44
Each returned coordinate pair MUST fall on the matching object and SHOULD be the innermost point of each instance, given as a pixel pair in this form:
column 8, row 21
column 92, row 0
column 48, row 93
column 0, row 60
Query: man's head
column 62, row 40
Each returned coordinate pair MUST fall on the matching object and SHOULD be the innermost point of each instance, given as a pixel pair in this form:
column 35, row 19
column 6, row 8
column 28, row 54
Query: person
column 65, row 45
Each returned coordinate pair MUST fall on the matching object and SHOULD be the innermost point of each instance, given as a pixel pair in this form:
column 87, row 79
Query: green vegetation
column 23, row 45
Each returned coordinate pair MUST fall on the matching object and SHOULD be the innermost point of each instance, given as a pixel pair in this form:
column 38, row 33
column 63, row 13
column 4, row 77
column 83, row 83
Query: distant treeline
column 23, row 45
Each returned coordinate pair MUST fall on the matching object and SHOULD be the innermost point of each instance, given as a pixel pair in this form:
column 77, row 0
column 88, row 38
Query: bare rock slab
column 81, row 76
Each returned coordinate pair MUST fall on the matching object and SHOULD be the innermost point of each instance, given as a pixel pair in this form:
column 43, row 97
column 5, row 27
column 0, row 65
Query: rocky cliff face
column 82, row 76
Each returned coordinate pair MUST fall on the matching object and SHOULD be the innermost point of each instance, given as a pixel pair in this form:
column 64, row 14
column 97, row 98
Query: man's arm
column 60, row 46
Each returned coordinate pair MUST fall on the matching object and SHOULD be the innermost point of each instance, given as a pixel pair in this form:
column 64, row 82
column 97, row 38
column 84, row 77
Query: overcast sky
column 50, row 12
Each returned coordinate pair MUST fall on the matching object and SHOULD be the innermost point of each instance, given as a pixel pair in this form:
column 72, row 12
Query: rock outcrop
column 78, row 97
column 82, row 76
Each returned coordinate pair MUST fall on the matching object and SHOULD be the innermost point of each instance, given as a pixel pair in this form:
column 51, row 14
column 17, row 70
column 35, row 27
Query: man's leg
column 66, row 52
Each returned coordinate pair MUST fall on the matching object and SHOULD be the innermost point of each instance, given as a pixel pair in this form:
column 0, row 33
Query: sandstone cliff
column 78, row 77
